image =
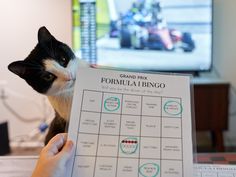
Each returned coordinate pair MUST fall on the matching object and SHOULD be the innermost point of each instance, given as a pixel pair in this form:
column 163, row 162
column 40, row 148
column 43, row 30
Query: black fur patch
column 58, row 125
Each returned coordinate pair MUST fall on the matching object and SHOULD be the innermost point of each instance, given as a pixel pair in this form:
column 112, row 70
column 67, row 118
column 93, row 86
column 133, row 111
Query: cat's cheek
column 55, row 88
column 52, row 92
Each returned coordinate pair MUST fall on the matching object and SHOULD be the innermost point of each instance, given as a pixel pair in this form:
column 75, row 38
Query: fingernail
column 70, row 144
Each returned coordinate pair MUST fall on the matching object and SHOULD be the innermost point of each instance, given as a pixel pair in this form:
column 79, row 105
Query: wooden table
column 211, row 101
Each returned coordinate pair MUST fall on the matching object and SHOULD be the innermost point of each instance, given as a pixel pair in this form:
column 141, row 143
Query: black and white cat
column 50, row 69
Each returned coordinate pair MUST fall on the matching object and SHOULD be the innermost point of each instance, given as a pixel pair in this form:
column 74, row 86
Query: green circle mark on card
column 112, row 104
column 149, row 170
column 173, row 108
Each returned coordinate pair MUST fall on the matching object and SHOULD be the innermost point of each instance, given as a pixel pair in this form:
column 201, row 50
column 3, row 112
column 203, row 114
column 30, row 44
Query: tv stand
column 211, row 100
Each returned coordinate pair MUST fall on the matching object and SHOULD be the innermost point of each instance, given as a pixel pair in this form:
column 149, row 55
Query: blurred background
column 26, row 111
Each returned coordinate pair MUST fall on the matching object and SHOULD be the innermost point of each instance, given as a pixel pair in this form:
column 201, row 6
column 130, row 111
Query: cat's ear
column 44, row 36
column 18, row 67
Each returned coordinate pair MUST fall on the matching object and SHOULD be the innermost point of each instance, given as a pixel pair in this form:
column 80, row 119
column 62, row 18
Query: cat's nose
column 69, row 76
column 66, row 76
column 72, row 75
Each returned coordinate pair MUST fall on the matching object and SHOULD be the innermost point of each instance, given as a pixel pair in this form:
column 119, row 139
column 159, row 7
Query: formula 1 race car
column 142, row 27
column 138, row 37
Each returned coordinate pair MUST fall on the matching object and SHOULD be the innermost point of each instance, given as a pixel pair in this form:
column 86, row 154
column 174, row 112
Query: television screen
column 159, row 35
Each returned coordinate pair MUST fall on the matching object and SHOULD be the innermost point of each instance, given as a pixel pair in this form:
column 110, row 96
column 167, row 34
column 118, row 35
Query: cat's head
column 51, row 66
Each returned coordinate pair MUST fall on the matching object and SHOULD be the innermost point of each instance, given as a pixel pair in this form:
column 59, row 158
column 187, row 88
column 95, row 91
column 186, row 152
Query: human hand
column 54, row 157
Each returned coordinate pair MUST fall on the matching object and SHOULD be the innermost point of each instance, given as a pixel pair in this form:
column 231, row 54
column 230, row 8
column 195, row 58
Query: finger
column 66, row 151
column 56, row 143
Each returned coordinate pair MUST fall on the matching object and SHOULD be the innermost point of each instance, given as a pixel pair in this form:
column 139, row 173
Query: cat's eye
column 48, row 77
column 63, row 61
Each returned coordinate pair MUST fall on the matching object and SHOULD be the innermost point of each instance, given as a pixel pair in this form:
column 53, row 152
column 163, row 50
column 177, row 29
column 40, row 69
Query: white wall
column 19, row 23
column 225, row 39
column 225, row 55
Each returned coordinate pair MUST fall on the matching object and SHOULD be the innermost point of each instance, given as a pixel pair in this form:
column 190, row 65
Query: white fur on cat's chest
column 62, row 104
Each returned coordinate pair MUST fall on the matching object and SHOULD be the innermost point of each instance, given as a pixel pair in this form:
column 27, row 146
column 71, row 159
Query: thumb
column 67, row 151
